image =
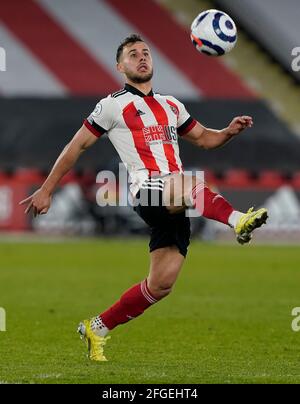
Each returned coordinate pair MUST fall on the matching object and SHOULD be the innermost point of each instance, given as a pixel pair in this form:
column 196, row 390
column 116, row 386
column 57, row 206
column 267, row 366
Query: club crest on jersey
column 174, row 110
column 160, row 134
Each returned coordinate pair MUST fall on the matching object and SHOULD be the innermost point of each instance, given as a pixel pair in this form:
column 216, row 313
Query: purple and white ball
column 213, row 33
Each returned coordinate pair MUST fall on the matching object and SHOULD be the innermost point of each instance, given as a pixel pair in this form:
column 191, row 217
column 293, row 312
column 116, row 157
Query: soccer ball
column 213, row 33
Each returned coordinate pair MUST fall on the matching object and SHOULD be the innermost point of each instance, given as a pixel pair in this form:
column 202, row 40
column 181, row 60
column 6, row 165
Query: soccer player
column 144, row 127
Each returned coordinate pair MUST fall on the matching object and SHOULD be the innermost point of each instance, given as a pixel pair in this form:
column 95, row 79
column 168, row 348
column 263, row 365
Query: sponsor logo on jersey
column 160, row 133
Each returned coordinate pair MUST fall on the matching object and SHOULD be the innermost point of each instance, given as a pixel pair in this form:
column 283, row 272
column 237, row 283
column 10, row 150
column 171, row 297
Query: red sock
column 211, row 205
column 132, row 304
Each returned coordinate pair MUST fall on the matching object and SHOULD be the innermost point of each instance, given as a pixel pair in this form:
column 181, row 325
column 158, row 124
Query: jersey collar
column 135, row 91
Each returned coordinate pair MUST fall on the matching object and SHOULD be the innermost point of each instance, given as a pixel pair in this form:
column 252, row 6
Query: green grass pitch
column 228, row 319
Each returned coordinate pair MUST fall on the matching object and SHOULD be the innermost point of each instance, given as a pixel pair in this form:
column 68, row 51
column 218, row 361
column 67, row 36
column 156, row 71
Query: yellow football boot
column 94, row 342
column 249, row 222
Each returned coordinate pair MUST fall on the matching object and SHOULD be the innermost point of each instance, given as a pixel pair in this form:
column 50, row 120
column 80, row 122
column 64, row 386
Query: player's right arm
column 40, row 201
column 99, row 122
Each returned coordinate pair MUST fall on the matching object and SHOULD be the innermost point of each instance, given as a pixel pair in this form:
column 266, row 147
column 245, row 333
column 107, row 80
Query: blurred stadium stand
column 71, row 50
column 268, row 34
column 60, row 62
column 280, row 22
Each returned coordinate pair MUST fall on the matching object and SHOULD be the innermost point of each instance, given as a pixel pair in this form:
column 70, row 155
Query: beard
column 139, row 79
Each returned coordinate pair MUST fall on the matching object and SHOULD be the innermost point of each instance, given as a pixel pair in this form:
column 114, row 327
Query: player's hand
column 240, row 123
column 39, row 202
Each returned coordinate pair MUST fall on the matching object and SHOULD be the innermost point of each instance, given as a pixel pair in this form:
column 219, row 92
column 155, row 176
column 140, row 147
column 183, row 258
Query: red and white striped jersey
column 144, row 130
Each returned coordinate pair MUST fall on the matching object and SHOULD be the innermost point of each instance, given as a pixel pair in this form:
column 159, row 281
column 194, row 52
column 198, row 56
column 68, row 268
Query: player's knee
column 160, row 289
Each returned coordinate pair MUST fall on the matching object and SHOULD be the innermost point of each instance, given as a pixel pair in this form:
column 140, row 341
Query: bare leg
column 177, row 191
column 165, row 266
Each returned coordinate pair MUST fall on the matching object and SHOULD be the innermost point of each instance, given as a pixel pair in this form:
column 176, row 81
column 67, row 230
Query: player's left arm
column 211, row 138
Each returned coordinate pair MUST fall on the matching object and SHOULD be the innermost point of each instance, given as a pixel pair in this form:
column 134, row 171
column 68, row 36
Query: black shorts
column 166, row 229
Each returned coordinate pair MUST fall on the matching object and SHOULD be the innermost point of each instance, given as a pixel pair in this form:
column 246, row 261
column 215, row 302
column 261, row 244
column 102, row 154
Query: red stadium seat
column 271, row 179
column 210, row 178
column 238, row 178
column 295, row 183
column 4, row 178
column 70, row 177
column 28, row 177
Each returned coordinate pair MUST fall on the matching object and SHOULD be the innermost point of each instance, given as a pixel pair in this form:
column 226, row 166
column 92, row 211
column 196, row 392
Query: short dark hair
column 133, row 38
